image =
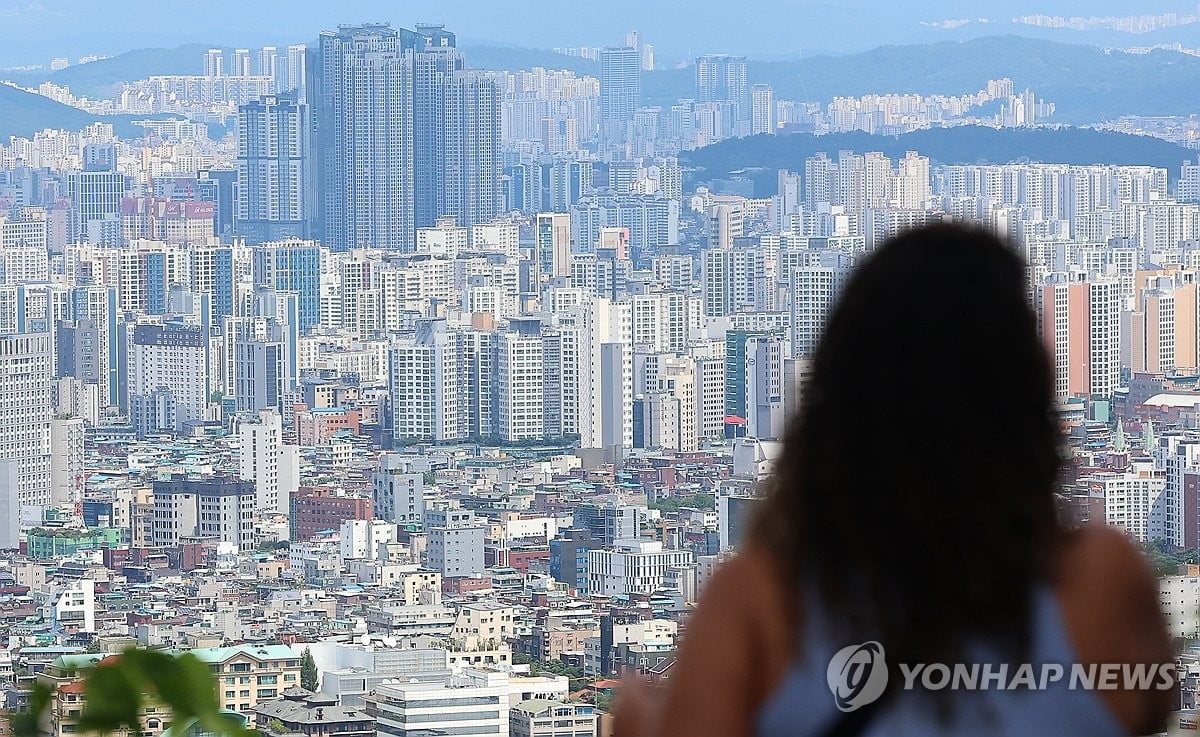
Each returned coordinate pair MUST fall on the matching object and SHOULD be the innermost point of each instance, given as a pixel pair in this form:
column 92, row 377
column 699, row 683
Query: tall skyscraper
column 95, row 195
column 762, row 109
column 297, row 71
column 433, row 70
column 361, row 88
column 214, row 63
column 519, row 376
column 620, row 87
column 634, row 40
column 264, row 459
column 268, row 64
column 470, row 175
column 275, row 197
column 241, row 63
column 424, row 383
column 456, row 123
column 722, row 78
column 553, row 244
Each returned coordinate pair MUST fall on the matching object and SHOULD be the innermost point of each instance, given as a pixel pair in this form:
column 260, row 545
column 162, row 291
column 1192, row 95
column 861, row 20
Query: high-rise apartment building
column 214, row 63
column 294, row 266
column 268, row 63
column 240, row 63
column 66, row 460
column 722, row 78
column 762, row 109
column 1081, row 325
column 168, row 376
column 434, row 69
column 376, row 91
column 264, row 459
column 519, row 376
column 361, row 89
column 297, row 72
column 620, row 88
column 1162, row 326
column 398, row 490
column 424, row 377
column 26, row 371
column 469, row 176
column 95, row 195
column 553, row 240
column 275, row 197
column 815, row 286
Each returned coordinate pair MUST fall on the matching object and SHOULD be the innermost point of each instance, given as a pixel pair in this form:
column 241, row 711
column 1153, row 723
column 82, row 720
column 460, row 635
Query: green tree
column 308, row 671
column 116, row 694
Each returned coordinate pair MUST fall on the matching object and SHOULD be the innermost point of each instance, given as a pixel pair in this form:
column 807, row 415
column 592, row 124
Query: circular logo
column 857, row 675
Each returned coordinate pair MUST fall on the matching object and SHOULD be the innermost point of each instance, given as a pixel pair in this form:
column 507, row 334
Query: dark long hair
column 915, row 490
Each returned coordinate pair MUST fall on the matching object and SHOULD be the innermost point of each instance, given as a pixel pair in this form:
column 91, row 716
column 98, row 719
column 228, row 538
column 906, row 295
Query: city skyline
column 414, row 387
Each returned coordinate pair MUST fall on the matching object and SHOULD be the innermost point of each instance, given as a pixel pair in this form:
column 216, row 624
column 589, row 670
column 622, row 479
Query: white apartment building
column 1137, row 502
column 446, row 238
column 26, row 371
column 502, row 237
column 216, row 507
column 66, row 459
column 424, row 385
column 597, row 374
column 359, row 539
column 815, row 288
column 169, row 381
column 455, row 544
column 1081, row 325
column 263, row 458
column 519, row 376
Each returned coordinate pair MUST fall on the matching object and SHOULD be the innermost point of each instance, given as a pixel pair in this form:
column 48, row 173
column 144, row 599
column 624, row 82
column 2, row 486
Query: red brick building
column 314, row 509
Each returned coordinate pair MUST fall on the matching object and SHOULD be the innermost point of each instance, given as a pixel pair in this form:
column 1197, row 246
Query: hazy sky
column 33, row 31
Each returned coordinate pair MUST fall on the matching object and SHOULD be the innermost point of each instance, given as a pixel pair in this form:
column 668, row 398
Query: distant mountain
column 102, row 79
column 759, row 157
column 23, row 114
column 1086, row 83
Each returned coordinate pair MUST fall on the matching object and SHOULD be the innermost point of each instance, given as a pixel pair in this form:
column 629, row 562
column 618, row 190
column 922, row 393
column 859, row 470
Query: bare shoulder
column 750, row 595
column 1101, row 558
column 1104, row 580
column 753, row 572
column 1109, row 599
column 736, row 648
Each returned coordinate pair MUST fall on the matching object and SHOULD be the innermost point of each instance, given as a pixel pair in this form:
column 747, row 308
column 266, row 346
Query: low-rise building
column 546, row 718
column 311, row 714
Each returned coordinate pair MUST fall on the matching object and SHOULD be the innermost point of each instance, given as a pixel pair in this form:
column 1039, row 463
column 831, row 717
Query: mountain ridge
column 759, row 157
